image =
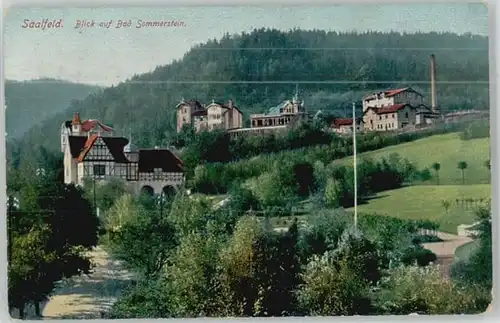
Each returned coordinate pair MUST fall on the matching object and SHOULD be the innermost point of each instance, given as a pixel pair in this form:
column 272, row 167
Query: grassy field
column 425, row 202
column 447, row 150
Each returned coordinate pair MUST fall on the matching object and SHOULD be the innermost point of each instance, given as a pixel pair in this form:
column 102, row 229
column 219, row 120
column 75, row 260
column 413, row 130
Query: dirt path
column 85, row 297
column 445, row 250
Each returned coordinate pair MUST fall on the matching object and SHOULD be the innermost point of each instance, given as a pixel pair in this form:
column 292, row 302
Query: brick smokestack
column 433, row 83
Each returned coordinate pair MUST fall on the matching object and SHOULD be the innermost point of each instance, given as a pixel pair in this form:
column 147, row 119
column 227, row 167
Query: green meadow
column 426, row 202
column 447, row 150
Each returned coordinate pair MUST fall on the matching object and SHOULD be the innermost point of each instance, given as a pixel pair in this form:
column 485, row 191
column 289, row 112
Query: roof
column 149, row 159
column 199, row 113
column 196, row 105
column 344, row 122
column 115, row 146
column 389, row 109
column 91, row 124
column 224, row 106
column 276, row 111
column 86, row 148
column 392, row 92
column 76, row 144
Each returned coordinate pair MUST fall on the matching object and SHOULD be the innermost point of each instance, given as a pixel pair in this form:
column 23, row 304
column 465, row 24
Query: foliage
column 478, row 268
column 446, row 149
column 424, row 202
column 462, row 165
column 51, row 232
column 421, row 290
column 29, row 102
column 337, row 282
column 143, row 238
column 436, row 167
column 146, row 299
column 151, row 106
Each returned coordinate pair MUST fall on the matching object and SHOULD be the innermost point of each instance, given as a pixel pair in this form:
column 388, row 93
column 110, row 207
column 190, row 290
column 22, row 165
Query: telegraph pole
column 9, row 228
column 355, row 166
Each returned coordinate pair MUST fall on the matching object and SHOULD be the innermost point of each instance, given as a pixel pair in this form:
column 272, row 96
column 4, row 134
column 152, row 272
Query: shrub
column 421, row 290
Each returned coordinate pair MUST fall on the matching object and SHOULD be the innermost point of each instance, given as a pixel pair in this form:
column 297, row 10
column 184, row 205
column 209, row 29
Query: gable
column 97, row 151
column 104, row 148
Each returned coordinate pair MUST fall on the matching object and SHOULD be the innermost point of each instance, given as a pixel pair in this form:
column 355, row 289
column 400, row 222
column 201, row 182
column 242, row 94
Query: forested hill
column 30, row 102
column 259, row 69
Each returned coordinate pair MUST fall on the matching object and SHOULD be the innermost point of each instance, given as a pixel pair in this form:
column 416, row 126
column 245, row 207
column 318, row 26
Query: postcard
column 183, row 162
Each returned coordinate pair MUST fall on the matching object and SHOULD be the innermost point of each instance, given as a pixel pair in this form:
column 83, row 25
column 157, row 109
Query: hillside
column 424, row 202
column 447, row 150
column 259, row 69
column 30, row 102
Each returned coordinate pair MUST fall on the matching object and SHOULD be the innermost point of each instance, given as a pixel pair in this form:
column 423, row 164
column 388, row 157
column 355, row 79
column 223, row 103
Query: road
column 86, row 297
column 445, row 250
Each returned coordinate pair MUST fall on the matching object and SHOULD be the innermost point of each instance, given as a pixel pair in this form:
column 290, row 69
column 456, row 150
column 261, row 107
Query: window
column 393, row 115
column 406, row 114
column 99, row 170
column 185, row 110
column 386, row 116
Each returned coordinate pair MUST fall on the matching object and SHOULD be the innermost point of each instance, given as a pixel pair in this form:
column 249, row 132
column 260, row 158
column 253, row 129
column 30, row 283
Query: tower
column 76, row 124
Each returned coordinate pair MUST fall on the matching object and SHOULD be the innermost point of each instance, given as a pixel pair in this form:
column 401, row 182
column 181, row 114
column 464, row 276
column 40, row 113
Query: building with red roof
column 92, row 152
column 344, row 125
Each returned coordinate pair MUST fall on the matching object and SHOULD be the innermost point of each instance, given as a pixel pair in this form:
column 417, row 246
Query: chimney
column 230, row 104
column 433, row 83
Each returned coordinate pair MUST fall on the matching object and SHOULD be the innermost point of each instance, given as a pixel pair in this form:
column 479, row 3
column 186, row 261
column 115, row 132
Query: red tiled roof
column 91, row 124
column 390, row 109
column 394, row 92
column 344, row 122
column 86, row 148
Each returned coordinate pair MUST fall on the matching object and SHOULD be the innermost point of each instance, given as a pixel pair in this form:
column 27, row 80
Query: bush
column 418, row 255
column 421, row 290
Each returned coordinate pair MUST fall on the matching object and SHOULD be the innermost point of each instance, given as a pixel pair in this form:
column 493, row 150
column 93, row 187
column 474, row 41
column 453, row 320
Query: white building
column 396, row 109
column 91, row 152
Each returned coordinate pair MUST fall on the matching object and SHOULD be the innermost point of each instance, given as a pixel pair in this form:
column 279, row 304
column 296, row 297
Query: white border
column 494, row 11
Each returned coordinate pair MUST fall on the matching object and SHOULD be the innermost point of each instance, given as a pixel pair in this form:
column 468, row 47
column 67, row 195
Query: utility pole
column 355, row 165
column 161, row 204
column 9, row 228
column 95, row 203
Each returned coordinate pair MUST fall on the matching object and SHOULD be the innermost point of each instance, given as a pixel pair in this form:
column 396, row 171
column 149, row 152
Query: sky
column 107, row 56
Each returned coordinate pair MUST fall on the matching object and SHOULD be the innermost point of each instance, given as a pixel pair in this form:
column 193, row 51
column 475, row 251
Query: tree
column 52, row 237
column 436, row 167
column 487, row 164
column 421, row 290
column 446, row 204
column 478, row 268
column 144, row 238
column 462, row 165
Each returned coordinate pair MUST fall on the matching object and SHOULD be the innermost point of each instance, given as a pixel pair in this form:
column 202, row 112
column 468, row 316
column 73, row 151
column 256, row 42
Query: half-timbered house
column 90, row 155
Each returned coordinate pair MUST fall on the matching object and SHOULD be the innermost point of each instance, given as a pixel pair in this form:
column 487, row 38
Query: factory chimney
column 433, row 83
